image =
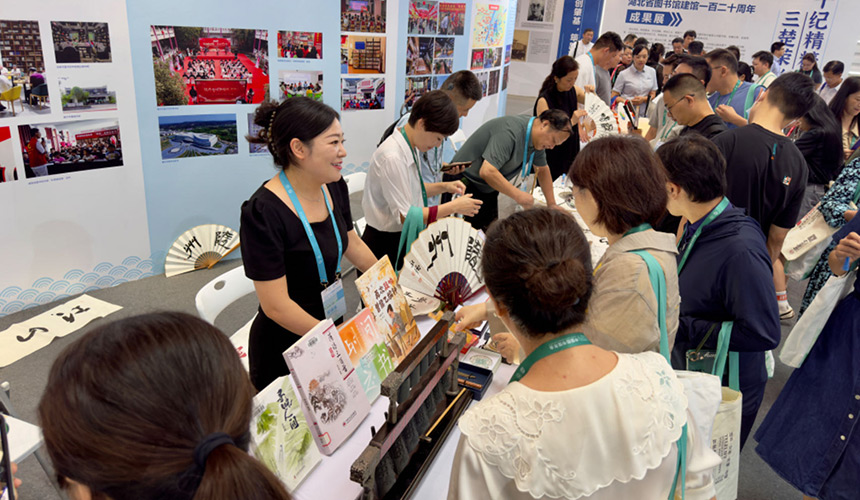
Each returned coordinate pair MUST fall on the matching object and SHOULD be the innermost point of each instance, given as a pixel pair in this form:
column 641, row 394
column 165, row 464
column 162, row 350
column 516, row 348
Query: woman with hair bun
column 295, row 229
column 576, row 421
column 153, row 407
column 559, row 92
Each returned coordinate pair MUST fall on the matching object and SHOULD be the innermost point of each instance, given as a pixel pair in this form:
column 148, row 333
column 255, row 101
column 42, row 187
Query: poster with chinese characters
column 280, row 436
column 29, row 336
column 369, row 354
column 379, row 290
column 328, row 384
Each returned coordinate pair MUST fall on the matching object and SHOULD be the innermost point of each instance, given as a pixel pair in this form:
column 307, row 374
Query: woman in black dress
column 559, row 92
column 307, row 197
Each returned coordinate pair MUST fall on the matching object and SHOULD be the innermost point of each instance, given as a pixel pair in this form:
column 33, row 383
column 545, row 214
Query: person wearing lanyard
column 503, row 153
column 294, row 229
column 518, row 444
column 394, row 182
column 622, row 310
column 724, row 269
column 729, row 95
column 761, row 64
column 594, row 65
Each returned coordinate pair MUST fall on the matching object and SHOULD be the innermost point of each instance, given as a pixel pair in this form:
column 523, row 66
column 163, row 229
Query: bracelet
column 431, row 217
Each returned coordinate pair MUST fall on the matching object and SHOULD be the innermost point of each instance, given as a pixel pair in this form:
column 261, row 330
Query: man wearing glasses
column 687, row 102
column 731, row 98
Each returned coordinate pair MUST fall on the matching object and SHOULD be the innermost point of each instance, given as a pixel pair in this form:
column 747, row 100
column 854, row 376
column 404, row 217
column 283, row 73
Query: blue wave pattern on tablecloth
column 74, row 282
column 351, row 168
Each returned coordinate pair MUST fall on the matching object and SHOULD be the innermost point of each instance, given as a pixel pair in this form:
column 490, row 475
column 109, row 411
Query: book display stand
column 425, row 403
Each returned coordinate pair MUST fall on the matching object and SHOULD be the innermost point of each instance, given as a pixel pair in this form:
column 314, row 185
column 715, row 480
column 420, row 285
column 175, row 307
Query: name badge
column 334, row 300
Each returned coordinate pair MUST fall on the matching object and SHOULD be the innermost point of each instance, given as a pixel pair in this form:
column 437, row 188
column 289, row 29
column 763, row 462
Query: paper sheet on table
column 29, row 336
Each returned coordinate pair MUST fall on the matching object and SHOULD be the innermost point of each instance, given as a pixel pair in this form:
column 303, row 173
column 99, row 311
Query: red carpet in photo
column 258, row 79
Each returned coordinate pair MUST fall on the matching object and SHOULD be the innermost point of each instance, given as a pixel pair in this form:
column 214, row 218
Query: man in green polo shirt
column 503, row 152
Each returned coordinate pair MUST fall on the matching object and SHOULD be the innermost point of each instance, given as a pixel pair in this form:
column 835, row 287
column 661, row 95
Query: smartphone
column 7, row 485
column 451, row 166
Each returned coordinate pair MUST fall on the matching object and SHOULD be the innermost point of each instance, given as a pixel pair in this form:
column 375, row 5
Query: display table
column 564, row 198
column 24, row 438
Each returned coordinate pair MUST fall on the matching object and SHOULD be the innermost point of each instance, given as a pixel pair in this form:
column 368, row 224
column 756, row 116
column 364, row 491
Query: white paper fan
column 200, row 247
column 444, row 263
column 603, row 118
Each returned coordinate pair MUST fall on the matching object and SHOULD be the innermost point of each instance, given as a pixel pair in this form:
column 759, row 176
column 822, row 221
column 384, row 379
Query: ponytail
column 232, row 473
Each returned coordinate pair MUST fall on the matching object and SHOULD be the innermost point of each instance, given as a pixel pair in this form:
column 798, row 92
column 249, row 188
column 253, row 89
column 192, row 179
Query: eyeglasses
column 669, row 108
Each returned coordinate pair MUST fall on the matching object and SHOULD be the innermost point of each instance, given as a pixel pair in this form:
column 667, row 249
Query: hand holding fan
column 443, row 263
column 604, row 120
column 200, row 247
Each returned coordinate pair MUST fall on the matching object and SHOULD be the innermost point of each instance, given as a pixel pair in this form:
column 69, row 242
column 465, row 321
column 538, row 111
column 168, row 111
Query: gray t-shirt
column 604, row 84
column 499, row 141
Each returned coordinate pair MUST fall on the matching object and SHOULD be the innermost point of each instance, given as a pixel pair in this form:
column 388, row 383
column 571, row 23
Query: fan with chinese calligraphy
column 200, row 247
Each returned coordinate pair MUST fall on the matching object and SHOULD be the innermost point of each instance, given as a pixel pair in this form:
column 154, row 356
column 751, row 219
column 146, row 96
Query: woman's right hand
column 466, row 205
column 506, row 345
column 470, row 317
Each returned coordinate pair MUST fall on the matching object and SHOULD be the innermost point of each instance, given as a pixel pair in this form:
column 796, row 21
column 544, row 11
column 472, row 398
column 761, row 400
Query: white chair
column 219, row 293
column 355, row 184
column 457, row 139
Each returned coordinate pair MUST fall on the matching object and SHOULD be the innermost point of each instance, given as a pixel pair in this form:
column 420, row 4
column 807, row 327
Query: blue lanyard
column 528, row 160
column 638, row 229
column 310, row 232
column 592, row 62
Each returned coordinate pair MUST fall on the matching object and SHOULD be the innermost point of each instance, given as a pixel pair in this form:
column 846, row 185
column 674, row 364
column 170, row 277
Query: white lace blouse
column 612, row 439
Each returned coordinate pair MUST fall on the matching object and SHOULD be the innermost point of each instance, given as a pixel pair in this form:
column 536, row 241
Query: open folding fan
column 200, row 247
column 443, row 264
column 604, row 119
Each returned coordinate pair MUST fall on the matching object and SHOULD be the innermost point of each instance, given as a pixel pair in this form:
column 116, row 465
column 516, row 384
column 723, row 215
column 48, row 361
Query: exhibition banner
column 578, row 15
column 215, row 43
column 806, row 26
column 220, row 91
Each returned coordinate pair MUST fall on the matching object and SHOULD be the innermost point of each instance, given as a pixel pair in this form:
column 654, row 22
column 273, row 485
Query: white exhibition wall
column 74, row 231
column 828, row 28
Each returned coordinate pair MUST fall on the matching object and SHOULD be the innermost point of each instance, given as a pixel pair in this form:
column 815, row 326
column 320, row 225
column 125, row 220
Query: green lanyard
column 547, row 348
column 417, row 166
column 638, row 229
column 710, row 218
column 732, row 95
column 666, row 130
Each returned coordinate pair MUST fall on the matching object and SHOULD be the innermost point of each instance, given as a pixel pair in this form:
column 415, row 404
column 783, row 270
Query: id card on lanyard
column 528, row 160
column 333, row 298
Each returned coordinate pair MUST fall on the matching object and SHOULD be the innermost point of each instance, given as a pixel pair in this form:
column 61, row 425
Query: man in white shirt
column 832, row 80
column 605, row 54
column 762, row 62
column 584, row 45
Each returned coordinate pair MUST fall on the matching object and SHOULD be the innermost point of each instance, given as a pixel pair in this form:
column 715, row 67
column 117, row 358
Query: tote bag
column 809, row 326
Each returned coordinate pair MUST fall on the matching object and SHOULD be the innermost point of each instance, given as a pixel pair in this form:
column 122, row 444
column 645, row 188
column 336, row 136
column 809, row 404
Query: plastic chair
column 219, row 293
column 355, row 184
column 12, row 95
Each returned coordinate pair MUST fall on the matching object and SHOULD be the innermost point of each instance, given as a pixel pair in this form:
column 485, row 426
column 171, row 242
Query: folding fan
column 443, row 263
column 603, row 118
column 200, row 247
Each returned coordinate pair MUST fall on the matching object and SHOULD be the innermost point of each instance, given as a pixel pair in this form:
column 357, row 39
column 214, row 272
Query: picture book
column 280, row 436
column 383, row 296
column 329, row 385
column 367, row 351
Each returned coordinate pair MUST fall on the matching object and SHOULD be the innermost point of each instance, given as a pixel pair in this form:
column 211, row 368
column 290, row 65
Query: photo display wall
column 125, row 127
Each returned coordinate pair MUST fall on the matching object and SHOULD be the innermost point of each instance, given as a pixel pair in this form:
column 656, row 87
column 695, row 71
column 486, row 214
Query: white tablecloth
column 564, row 198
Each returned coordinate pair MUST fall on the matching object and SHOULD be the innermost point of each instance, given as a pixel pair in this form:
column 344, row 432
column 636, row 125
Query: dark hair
column 560, row 69
column 299, row 118
column 609, row 39
column 735, row 51
column 586, row 30
column 696, row 48
column 438, row 111
column 776, row 46
column 34, row 131
column 677, row 39
column 834, row 67
column 464, row 84
column 656, row 53
column 696, row 164
column 127, row 404
column 557, row 119
column 639, row 48
column 537, row 264
column 698, row 65
column 642, row 41
column 820, row 116
column 792, row 94
column 764, row 56
column 745, row 71
column 685, row 84
column 671, row 59
column 809, row 56
column 630, row 38
column 625, row 178
column 725, row 58
column 691, row 33
column 850, row 85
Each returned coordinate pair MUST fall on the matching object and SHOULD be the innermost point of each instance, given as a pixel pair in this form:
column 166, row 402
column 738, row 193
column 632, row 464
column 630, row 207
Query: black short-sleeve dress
column 561, row 157
column 274, row 244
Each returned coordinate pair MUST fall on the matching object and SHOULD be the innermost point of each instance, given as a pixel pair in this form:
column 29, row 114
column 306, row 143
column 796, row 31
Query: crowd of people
column 705, row 199
column 290, row 50
column 306, row 89
column 362, row 21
